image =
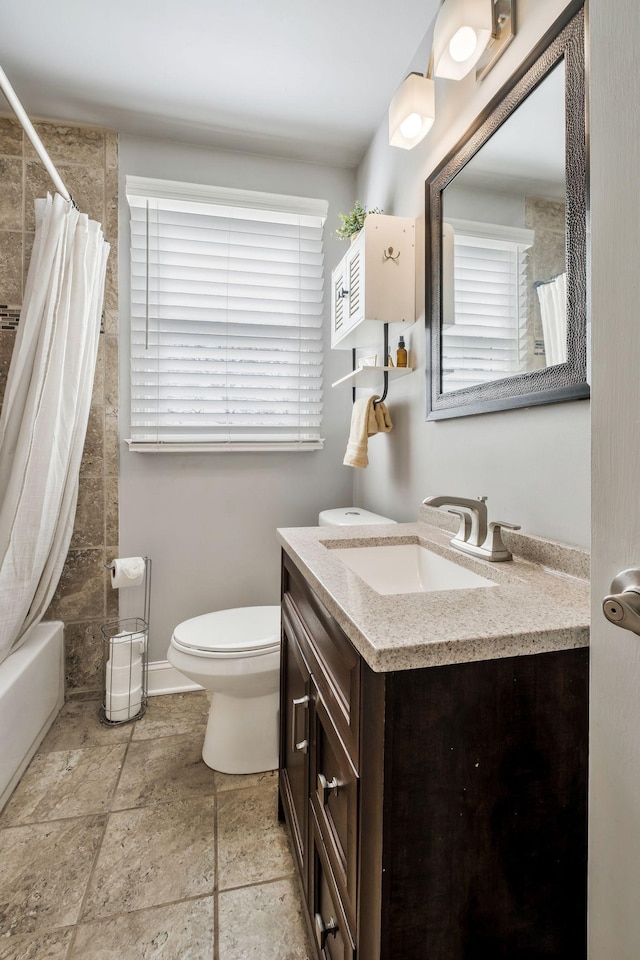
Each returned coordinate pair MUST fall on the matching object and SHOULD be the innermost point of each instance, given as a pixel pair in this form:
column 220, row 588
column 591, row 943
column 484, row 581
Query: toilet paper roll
column 120, row 680
column 127, row 572
column 123, row 706
column 124, row 648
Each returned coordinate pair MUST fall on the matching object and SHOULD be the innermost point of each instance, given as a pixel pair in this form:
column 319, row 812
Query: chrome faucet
column 475, row 536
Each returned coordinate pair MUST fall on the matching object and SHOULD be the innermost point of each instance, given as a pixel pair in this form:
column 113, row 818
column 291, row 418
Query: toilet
column 350, row 516
column 235, row 655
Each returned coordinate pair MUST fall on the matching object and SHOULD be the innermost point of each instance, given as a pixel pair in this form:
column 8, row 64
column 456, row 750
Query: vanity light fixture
column 467, row 32
column 464, row 30
column 412, row 111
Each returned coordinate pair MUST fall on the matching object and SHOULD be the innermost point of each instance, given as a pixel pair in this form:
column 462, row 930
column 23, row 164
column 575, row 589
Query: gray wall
column 208, row 521
column 532, row 464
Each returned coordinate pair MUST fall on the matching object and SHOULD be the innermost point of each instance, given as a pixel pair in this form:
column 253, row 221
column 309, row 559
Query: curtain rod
column 38, row 146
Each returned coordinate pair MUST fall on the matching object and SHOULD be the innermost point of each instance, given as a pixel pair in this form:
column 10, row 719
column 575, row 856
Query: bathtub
column 31, row 695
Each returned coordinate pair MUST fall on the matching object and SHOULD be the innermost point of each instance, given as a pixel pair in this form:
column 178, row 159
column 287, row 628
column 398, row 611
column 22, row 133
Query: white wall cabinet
column 374, row 283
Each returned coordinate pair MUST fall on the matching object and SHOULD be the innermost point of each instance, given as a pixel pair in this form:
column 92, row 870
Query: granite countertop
column 540, row 603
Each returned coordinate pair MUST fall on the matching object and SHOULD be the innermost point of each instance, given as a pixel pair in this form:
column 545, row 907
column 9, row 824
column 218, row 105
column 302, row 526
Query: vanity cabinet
column 374, row 283
column 437, row 813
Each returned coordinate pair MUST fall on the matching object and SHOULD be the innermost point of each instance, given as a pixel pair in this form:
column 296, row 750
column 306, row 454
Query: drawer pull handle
column 298, row 746
column 324, row 930
column 325, row 787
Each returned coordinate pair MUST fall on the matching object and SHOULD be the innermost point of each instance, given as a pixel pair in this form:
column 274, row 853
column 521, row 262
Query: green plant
column 353, row 222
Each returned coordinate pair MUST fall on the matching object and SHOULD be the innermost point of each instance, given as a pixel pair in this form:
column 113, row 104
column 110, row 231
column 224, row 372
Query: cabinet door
column 347, row 292
column 332, row 935
column 355, row 277
column 339, row 303
column 294, row 742
column 334, row 798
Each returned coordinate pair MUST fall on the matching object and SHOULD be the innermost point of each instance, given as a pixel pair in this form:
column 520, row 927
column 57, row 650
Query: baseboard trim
column 164, row 678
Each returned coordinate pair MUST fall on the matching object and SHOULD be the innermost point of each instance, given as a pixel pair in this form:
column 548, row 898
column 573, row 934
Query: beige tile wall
column 87, row 160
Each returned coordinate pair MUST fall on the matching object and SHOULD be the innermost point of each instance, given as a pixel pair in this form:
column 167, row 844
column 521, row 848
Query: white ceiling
column 281, row 77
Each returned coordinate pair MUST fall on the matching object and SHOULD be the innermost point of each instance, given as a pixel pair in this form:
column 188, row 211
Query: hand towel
column 383, row 420
column 363, row 425
column 367, row 419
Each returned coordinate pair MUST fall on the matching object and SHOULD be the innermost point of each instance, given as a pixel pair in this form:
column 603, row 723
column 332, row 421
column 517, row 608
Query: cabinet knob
column 341, row 294
column 324, row 930
column 325, row 787
column 298, row 746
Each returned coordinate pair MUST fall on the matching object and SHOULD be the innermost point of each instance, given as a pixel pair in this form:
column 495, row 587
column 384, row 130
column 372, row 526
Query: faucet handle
column 464, row 531
column 494, row 543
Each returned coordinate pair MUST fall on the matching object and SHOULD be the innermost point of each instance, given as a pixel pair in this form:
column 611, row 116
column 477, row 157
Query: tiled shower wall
column 87, row 160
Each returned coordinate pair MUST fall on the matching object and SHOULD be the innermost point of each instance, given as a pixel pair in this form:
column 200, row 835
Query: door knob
column 622, row 606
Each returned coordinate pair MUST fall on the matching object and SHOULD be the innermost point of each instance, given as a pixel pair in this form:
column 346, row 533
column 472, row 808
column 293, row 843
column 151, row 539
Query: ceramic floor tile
column 46, row 946
column 67, row 783
column 170, row 768
column 252, row 845
column 178, row 931
column 78, row 725
column 45, row 872
column 263, row 923
column 239, row 781
column 153, row 855
column 174, row 714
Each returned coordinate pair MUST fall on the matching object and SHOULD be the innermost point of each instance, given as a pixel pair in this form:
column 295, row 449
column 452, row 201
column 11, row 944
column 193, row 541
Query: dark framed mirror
column 506, row 243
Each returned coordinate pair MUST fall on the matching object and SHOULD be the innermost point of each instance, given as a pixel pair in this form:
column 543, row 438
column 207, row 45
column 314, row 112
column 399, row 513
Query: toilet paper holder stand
column 125, row 643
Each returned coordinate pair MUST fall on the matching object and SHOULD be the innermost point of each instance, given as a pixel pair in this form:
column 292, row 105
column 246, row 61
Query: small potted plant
column 353, row 222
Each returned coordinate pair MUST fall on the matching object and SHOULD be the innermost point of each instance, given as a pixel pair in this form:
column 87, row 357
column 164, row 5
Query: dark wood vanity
column 436, row 813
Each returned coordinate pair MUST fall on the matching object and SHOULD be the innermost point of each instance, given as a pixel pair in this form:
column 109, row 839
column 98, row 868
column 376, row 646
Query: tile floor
column 120, row 844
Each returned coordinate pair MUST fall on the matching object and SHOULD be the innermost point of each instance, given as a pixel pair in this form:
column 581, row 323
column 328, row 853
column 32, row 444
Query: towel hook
column 386, row 372
column 388, row 255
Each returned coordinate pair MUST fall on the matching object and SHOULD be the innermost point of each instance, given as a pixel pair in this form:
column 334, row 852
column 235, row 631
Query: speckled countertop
column 540, row 603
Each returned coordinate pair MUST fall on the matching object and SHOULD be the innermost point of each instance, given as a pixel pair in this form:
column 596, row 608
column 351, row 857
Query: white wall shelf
column 371, row 376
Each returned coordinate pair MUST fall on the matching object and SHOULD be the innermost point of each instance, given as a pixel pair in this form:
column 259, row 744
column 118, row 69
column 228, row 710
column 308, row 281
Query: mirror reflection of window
column 504, row 285
column 488, row 337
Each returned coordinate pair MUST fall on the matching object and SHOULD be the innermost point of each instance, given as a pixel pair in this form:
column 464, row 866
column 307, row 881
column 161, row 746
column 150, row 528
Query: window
column 226, row 318
column 485, row 333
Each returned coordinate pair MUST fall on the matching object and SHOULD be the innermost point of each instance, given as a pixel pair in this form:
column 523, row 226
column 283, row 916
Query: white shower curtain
column 553, row 311
column 45, row 412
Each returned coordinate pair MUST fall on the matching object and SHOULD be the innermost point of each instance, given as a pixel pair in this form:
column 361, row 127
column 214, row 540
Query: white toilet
column 235, row 654
column 350, row 516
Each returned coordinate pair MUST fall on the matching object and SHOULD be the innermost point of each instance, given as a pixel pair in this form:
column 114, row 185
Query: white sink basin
column 407, row 568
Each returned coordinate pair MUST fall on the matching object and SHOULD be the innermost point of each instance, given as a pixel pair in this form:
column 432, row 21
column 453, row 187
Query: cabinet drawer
column 331, row 930
column 334, row 662
column 334, row 797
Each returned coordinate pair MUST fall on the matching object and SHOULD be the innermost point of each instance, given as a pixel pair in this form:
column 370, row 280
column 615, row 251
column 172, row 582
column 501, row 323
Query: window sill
column 213, row 446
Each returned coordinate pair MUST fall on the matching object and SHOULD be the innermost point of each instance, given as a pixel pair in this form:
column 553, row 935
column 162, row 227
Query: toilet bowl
column 235, row 655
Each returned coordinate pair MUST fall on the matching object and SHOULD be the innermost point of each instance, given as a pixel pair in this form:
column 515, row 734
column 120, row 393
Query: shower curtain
column 553, row 311
column 45, row 412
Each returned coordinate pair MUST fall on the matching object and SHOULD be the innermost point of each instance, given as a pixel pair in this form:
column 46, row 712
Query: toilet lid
column 243, row 629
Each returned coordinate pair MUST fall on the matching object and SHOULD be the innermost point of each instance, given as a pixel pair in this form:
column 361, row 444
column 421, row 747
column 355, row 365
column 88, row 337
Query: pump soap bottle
column 401, row 355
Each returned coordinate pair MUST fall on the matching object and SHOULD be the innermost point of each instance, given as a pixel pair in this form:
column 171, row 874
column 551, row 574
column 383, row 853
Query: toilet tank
column 350, row 516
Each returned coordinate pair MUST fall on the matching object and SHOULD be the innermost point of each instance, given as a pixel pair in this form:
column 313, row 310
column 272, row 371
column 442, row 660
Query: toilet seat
column 239, row 632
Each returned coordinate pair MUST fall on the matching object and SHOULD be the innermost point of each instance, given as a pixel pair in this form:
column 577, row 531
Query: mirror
column 506, row 244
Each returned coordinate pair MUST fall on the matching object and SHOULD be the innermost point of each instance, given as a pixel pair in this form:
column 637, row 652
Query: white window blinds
column 226, row 317
column 487, row 339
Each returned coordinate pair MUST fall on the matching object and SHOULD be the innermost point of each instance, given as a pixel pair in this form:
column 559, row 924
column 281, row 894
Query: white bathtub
column 31, row 695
